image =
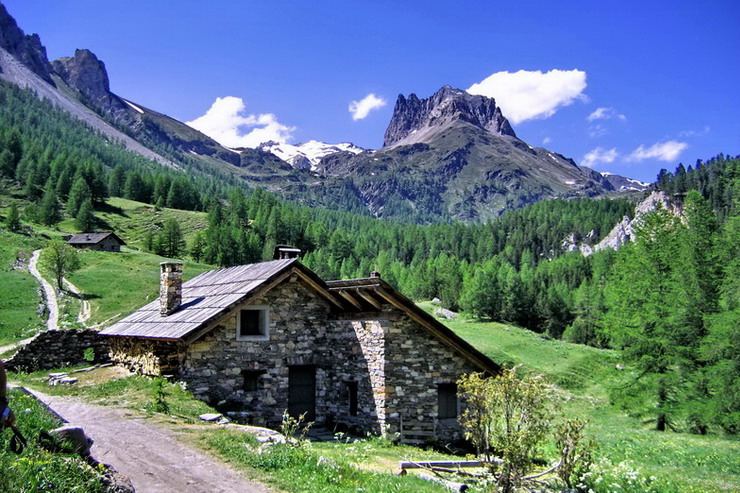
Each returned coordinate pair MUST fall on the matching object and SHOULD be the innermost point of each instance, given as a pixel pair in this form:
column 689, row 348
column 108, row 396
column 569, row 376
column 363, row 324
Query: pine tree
column 13, row 219
column 78, row 194
column 49, row 211
column 85, row 218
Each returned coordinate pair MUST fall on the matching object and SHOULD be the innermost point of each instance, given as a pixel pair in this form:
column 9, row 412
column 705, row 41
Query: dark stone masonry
column 58, row 348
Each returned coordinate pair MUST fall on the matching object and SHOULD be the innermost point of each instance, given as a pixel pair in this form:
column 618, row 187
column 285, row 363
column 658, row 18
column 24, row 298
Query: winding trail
column 85, row 308
column 51, row 298
column 150, row 455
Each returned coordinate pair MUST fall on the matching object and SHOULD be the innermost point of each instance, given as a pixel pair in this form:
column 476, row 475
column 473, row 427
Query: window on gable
column 252, row 322
column 352, row 391
column 251, row 380
column 447, row 400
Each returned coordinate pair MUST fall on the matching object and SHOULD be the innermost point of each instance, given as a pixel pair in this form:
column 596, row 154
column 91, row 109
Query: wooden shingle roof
column 203, row 298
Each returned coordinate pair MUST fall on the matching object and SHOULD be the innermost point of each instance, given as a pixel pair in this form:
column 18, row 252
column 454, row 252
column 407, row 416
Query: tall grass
column 38, row 470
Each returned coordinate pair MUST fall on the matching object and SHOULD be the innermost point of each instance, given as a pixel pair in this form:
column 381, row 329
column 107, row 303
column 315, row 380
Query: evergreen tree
column 13, row 219
column 78, row 194
column 170, row 241
column 85, row 218
column 49, row 211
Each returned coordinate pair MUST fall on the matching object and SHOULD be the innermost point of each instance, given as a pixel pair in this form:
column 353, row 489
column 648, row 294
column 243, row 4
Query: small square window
column 447, row 400
column 251, row 380
column 252, row 322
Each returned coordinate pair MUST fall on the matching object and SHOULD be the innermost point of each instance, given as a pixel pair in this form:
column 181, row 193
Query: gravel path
column 85, row 308
column 49, row 293
column 148, row 454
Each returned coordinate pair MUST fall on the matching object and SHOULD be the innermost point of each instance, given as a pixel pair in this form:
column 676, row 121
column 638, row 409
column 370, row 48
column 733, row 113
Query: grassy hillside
column 19, row 301
column 628, row 447
column 114, row 283
column 118, row 283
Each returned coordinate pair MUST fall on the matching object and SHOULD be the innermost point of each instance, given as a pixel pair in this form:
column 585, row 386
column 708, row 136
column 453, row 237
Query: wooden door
column 302, row 391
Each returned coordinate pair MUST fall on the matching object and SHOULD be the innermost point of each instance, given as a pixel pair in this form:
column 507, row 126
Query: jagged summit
column 414, row 119
column 27, row 48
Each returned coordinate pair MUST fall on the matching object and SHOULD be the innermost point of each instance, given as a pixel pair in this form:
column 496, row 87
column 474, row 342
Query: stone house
column 271, row 336
column 106, row 242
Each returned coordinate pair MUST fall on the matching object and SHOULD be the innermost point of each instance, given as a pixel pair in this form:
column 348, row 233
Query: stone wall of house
column 395, row 364
column 108, row 245
column 59, row 348
column 146, row 356
column 298, row 335
column 416, row 365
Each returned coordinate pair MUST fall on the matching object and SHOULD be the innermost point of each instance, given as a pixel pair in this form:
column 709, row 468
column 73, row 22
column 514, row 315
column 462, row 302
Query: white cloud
column 604, row 113
column 663, row 151
column 526, row 95
column 360, row 109
column 695, row 133
column 546, row 141
column 597, row 130
column 599, row 155
column 228, row 124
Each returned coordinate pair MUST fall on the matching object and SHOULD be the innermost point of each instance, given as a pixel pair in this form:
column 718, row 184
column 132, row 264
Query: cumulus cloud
column 662, row 151
column 604, row 113
column 360, row 109
column 227, row 122
column 599, row 155
column 526, row 95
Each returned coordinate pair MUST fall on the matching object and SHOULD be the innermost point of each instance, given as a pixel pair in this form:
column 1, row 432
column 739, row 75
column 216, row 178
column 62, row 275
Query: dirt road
column 148, row 454
column 49, row 293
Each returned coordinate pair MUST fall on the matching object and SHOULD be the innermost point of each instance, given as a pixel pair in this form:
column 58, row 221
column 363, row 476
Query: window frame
column 264, row 334
column 443, row 390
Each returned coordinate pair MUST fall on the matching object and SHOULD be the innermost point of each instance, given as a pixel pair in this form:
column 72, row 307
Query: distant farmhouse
column 106, row 242
column 273, row 336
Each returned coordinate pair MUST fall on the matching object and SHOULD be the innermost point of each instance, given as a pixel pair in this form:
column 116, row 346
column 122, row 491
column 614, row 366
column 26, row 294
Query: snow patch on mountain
column 307, row 155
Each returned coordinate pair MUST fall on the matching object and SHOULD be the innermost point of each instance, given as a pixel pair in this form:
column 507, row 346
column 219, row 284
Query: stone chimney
column 286, row 251
column 375, row 274
column 170, row 287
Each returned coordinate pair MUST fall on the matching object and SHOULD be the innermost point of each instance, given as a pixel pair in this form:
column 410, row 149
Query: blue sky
column 640, row 85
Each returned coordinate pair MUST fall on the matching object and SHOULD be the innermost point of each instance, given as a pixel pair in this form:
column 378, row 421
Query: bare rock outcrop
column 412, row 116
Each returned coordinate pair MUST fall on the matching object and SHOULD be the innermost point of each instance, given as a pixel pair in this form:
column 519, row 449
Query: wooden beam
column 326, row 294
column 443, row 463
column 351, row 299
column 366, row 296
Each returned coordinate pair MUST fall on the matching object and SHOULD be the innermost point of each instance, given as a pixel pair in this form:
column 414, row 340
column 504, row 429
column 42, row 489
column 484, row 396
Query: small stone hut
column 105, row 242
column 273, row 336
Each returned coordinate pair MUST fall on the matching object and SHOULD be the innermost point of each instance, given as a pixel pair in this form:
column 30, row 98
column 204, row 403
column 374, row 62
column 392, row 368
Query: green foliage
column 302, row 470
column 38, row 469
column 13, row 219
column 85, row 218
column 159, row 402
column 170, row 241
column 60, row 259
column 509, row 417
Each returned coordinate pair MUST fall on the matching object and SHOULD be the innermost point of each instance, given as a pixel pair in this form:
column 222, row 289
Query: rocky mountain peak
column 26, row 48
column 413, row 116
column 86, row 73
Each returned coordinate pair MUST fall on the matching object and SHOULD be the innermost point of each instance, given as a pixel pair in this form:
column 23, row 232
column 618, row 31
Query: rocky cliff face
column 26, row 48
column 86, row 74
column 624, row 231
column 413, row 118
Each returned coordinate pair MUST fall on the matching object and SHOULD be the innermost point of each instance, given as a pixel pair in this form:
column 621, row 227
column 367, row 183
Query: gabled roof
column 362, row 293
column 207, row 296
column 214, row 293
column 93, row 238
